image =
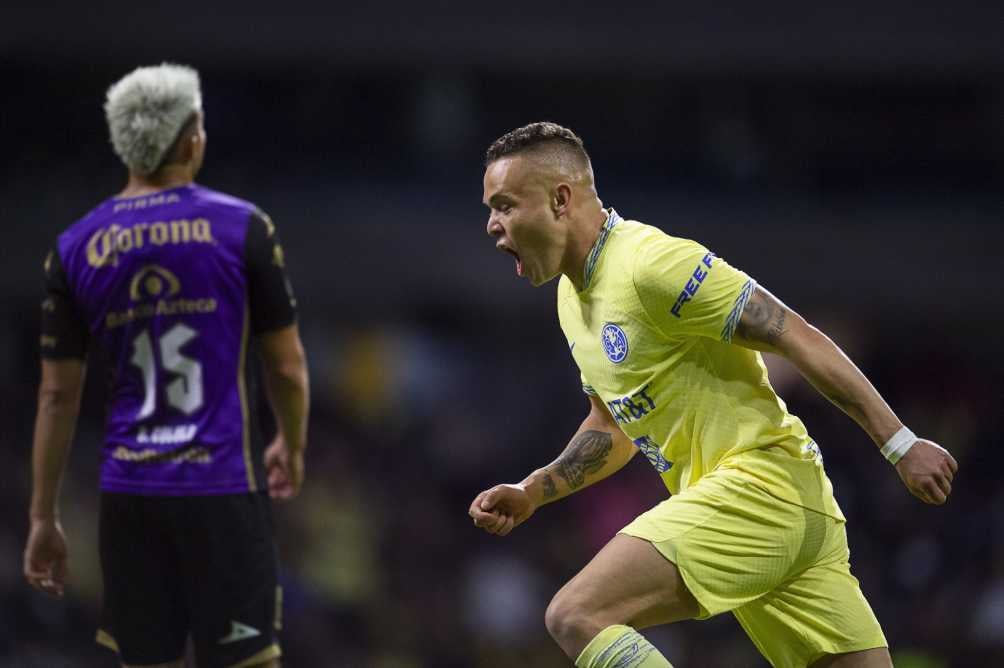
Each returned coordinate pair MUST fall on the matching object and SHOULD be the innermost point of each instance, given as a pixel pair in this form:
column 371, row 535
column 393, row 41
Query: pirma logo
column 615, row 343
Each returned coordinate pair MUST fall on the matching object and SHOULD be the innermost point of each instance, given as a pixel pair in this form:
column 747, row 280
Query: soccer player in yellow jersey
column 667, row 337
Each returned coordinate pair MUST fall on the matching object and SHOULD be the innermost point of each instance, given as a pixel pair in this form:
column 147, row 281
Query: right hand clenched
column 501, row 509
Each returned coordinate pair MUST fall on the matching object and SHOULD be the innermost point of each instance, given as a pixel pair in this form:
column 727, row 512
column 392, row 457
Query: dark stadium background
column 849, row 157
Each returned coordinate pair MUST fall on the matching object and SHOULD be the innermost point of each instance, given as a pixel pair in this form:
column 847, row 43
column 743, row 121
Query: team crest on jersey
column 615, row 343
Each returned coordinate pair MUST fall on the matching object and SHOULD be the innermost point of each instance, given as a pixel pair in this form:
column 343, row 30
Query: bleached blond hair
column 146, row 109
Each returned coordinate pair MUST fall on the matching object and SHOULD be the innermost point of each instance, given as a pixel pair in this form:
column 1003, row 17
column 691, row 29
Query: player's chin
column 538, row 278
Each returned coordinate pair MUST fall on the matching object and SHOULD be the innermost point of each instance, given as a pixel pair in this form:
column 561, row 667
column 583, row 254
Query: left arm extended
column 768, row 325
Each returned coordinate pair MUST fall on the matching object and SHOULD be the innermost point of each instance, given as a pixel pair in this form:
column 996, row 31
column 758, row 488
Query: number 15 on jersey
column 184, row 392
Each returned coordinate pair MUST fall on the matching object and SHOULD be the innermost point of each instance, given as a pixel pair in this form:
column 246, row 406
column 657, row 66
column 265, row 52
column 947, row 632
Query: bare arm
column 287, row 387
column 597, row 450
column 770, row 326
column 286, row 383
column 55, row 422
column 45, row 555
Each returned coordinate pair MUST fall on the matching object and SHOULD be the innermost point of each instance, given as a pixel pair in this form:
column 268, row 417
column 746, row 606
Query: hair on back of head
column 147, row 109
column 551, row 140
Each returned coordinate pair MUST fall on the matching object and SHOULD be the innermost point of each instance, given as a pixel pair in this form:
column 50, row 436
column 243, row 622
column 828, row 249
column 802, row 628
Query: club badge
column 615, row 343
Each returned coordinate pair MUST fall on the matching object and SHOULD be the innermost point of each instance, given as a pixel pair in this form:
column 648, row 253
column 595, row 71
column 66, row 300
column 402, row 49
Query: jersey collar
column 594, row 253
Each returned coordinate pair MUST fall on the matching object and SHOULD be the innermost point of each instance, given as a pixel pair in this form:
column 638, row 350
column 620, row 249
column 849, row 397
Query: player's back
column 161, row 282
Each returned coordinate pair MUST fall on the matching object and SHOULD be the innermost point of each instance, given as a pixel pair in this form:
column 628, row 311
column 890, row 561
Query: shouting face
column 523, row 219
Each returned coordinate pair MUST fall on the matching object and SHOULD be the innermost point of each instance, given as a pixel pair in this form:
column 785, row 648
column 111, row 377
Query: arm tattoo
column 550, row 489
column 587, row 453
column 763, row 318
column 776, row 326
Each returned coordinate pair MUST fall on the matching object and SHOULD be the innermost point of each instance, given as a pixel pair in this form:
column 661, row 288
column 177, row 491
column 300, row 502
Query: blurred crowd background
column 850, row 158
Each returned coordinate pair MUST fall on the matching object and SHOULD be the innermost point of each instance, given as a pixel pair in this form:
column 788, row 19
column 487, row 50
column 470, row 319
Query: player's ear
column 561, row 199
column 199, row 136
column 195, row 147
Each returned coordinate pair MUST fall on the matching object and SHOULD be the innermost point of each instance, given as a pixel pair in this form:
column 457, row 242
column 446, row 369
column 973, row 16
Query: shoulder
column 84, row 228
column 639, row 239
column 654, row 253
column 221, row 201
column 656, row 239
column 235, row 218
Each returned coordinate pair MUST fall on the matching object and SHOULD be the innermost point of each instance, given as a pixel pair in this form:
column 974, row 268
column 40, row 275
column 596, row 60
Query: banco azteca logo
column 615, row 343
column 153, row 282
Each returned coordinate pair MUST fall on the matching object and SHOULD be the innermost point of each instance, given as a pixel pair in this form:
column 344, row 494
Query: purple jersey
column 165, row 286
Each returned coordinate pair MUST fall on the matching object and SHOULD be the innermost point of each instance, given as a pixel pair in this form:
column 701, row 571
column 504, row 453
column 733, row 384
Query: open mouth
column 519, row 262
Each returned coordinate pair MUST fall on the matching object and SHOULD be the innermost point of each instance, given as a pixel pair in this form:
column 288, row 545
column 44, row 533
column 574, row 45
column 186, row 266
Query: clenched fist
column 927, row 470
column 502, row 508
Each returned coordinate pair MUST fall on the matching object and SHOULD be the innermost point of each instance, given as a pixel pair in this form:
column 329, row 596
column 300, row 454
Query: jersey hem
column 173, row 489
column 735, row 463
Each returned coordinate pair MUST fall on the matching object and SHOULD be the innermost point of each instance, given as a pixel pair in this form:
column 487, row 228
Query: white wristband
column 898, row 445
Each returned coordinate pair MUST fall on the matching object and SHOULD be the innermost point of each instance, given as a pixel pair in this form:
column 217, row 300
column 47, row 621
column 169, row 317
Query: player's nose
column 494, row 227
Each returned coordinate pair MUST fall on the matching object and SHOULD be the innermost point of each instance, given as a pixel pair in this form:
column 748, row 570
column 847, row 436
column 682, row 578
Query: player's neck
column 170, row 176
column 583, row 239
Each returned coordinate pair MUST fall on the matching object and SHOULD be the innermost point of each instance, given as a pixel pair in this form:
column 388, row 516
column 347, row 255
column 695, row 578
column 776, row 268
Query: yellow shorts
column 781, row 569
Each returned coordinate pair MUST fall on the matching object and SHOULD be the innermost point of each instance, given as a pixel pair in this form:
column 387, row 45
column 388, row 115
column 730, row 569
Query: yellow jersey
column 651, row 333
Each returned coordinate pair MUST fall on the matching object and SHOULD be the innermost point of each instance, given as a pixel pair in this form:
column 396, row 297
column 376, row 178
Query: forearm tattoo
column 587, row 453
column 550, row 489
column 763, row 318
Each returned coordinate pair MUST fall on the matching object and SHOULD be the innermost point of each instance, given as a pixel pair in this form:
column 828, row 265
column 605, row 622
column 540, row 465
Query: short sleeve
column 689, row 291
column 587, row 389
column 64, row 332
column 270, row 293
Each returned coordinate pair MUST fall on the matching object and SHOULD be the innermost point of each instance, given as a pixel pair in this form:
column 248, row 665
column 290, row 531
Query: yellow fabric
column 621, row 646
column 650, row 334
column 781, row 568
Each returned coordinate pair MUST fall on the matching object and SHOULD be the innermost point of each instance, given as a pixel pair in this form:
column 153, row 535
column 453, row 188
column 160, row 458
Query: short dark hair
column 543, row 134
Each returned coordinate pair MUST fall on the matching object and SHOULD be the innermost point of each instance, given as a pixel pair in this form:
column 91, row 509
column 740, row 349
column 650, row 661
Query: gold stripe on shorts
column 105, row 639
column 270, row 652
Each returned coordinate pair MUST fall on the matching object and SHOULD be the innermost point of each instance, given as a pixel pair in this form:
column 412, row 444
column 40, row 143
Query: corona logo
column 105, row 245
column 153, row 282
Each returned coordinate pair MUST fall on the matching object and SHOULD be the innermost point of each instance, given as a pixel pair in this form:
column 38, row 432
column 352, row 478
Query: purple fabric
column 161, row 281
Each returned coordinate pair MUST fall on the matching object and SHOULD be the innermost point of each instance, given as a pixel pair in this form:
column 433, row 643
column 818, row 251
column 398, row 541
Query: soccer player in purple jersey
column 174, row 285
